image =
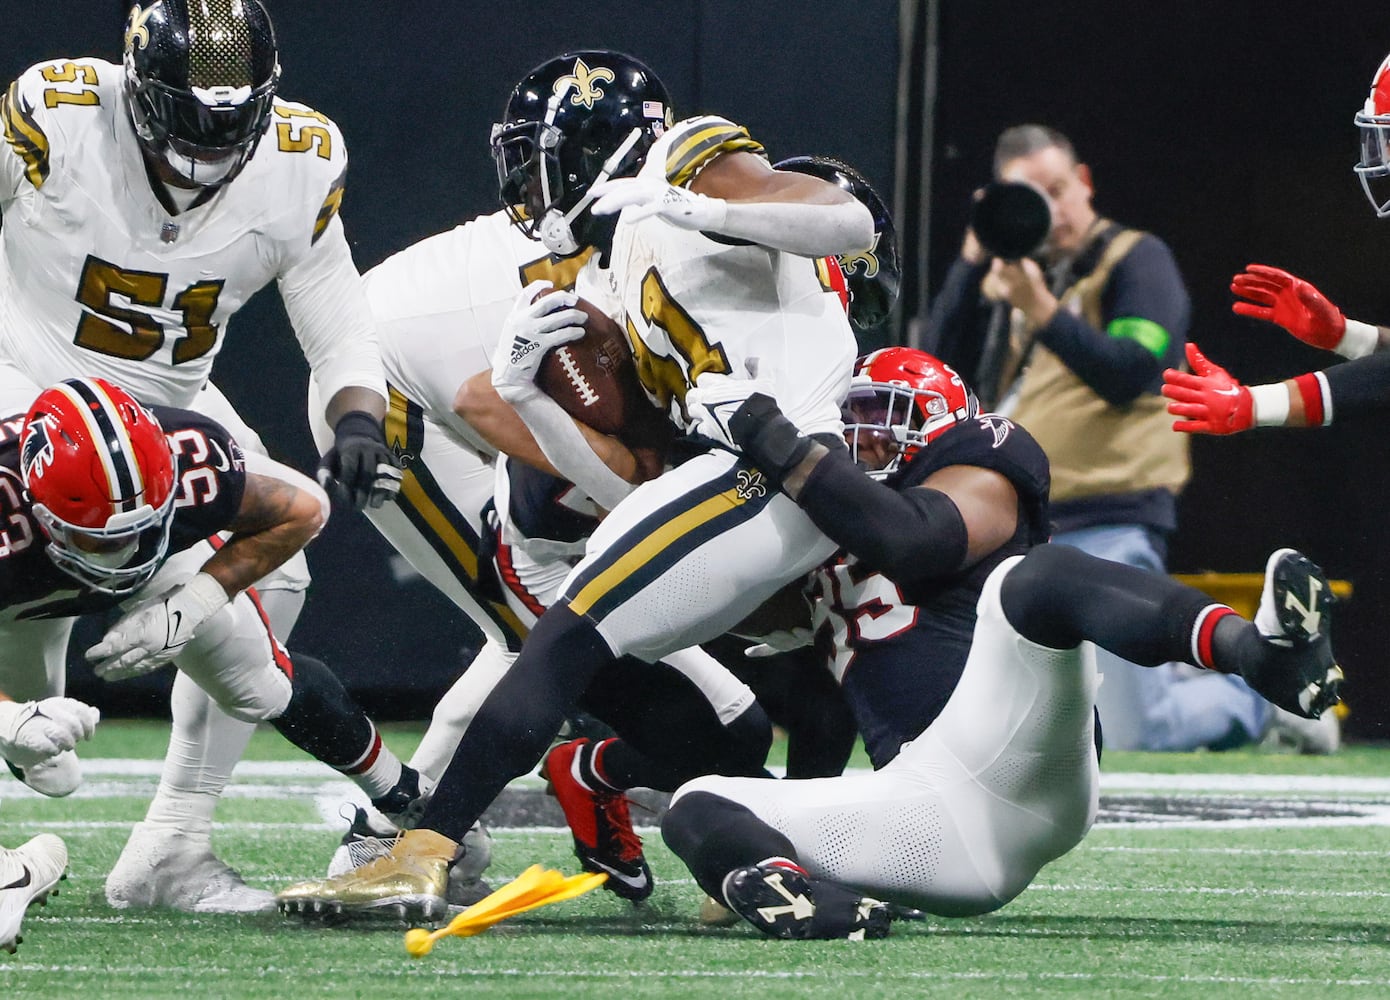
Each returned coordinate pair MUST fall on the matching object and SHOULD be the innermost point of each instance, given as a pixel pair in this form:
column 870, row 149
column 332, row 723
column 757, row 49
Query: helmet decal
column 585, row 83
column 36, row 450
column 136, row 33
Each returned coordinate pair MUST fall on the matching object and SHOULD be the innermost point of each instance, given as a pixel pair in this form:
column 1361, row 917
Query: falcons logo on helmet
column 36, row 450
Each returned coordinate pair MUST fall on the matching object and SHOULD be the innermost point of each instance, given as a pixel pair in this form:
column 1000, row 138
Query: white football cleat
column 29, row 874
column 55, row 777
column 167, row 867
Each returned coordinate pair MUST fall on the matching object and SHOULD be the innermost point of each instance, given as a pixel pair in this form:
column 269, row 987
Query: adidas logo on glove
column 520, row 348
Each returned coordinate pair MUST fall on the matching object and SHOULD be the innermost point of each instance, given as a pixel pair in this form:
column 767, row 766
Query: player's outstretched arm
column 739, row 195
column 1276, row 296
column 280, row 513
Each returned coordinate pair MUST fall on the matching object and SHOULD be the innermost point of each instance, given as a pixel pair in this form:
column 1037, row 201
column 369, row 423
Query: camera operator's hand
column 1021, row 284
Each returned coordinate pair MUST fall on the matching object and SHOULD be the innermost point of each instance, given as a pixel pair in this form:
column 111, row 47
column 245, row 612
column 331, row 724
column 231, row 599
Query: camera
column 1011, row 220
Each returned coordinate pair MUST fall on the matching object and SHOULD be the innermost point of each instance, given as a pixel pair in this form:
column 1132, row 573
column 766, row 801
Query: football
column 594, row 379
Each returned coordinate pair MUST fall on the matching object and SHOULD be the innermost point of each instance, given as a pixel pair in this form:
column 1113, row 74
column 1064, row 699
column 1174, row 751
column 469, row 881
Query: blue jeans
column 1174, row 706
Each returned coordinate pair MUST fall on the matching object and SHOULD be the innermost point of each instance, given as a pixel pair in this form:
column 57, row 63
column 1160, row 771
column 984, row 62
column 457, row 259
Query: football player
column 966, row 647
column 712, row 270
column 1211, row 401
column 143, row 204
column 439, row 307
column 155, row 512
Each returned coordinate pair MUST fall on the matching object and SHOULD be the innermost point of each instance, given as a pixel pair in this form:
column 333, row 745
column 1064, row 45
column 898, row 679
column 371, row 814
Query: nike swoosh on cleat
column 632, row 881
column 20, row 882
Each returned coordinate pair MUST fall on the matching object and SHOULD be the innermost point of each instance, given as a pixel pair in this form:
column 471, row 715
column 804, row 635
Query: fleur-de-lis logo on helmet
column 135, row 30
column 585, row 83
column 868, row 258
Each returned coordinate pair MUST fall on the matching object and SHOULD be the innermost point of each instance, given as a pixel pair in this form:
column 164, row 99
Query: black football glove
column 768, row 438
column 359, row 470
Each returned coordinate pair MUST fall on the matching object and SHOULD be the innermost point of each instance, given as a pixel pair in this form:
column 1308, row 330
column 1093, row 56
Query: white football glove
column 640, row 198
column 780, row 642
column 713, row 401
column 32, row 732
column 151, row 636
column 535, row 325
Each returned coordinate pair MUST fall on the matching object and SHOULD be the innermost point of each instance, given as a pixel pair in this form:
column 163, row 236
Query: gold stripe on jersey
column 654, row 544
column 25, row 137
column 562, row 272
column 331, row 205
column 692, row 152
column 425, row 505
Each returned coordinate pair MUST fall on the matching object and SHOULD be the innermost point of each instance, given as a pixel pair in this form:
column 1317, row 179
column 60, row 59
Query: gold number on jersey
column 108, row 326
column 663, row 376
column 70, row 72
column 294, row 137
column 197, row 303
column 559, row 271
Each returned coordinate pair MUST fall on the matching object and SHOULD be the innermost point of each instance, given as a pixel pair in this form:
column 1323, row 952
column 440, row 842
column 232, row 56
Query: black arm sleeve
column 908, row 536
column 1145, row 285
column 1360, row 386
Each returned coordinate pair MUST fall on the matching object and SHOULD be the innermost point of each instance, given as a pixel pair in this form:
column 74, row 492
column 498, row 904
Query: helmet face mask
column 100, row 475
column 200, row 82
column 900, row 400
column 572, row 123
column 1373, row 124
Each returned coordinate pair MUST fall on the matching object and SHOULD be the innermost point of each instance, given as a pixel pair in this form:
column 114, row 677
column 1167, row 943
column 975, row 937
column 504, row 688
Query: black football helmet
column 200, row 79
column 574, row 121
column 874, row 275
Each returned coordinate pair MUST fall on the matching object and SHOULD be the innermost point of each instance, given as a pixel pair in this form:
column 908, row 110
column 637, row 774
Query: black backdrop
column 1224, row 128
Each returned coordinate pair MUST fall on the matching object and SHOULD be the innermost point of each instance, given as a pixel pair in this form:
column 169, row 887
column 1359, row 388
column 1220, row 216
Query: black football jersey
column 211, row 480
column 899, row 649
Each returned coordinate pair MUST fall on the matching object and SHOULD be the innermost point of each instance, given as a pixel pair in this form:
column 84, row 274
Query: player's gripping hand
column 712, row 401
column 31, row 732
column 151, row 636
column 1279, row 297
column 360, row 470
column 1208, row 398
column 536, row 324
column 641, row 198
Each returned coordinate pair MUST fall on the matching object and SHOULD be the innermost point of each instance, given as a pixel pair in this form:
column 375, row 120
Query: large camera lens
column 1011, row 220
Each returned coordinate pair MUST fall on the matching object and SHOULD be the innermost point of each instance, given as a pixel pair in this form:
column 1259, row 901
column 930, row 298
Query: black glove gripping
column 359, row 470
column 769, row 439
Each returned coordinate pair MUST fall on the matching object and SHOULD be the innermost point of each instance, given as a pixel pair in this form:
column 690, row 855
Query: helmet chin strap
column 557, row 228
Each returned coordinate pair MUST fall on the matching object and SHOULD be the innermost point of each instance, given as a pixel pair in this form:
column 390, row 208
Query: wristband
column 1269, row 404
column 1317, row 408
column 768, row 438
column 358, row 423
column 1359, row 340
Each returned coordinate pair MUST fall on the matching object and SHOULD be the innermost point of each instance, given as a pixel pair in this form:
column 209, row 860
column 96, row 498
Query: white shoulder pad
column 49, row 106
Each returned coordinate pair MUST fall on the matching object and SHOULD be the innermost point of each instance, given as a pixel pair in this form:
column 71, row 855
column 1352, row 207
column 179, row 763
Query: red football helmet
column 900, row 399
column 100, row 474
column 1373, row 122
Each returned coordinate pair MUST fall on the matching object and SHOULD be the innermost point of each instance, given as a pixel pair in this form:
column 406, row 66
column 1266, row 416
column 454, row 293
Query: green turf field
column 1232, row 875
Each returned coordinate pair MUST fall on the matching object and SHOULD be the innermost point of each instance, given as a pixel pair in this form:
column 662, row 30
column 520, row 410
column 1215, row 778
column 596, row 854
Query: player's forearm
column 276, row 520
column 354, row 397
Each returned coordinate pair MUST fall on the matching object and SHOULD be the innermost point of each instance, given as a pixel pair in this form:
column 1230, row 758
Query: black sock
column 1059, row 597
column 322, row 719
column 518, row 719
column 715, row 836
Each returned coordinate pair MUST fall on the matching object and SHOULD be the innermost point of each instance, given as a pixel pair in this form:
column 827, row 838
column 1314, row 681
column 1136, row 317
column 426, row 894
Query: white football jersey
column 692, row 303
column 97, row 278
column 439, row 306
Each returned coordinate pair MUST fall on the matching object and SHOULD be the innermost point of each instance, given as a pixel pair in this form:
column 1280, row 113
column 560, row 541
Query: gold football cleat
column 410, row 880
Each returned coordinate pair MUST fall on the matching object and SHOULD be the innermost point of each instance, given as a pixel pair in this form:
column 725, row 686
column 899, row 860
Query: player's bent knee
column 262, row 701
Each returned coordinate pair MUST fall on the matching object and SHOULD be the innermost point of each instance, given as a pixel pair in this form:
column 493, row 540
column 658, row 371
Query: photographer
column 1070, row 340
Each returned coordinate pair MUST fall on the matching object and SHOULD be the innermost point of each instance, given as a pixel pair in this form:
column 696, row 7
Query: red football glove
column 1211, row 401
column 1279, row 297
